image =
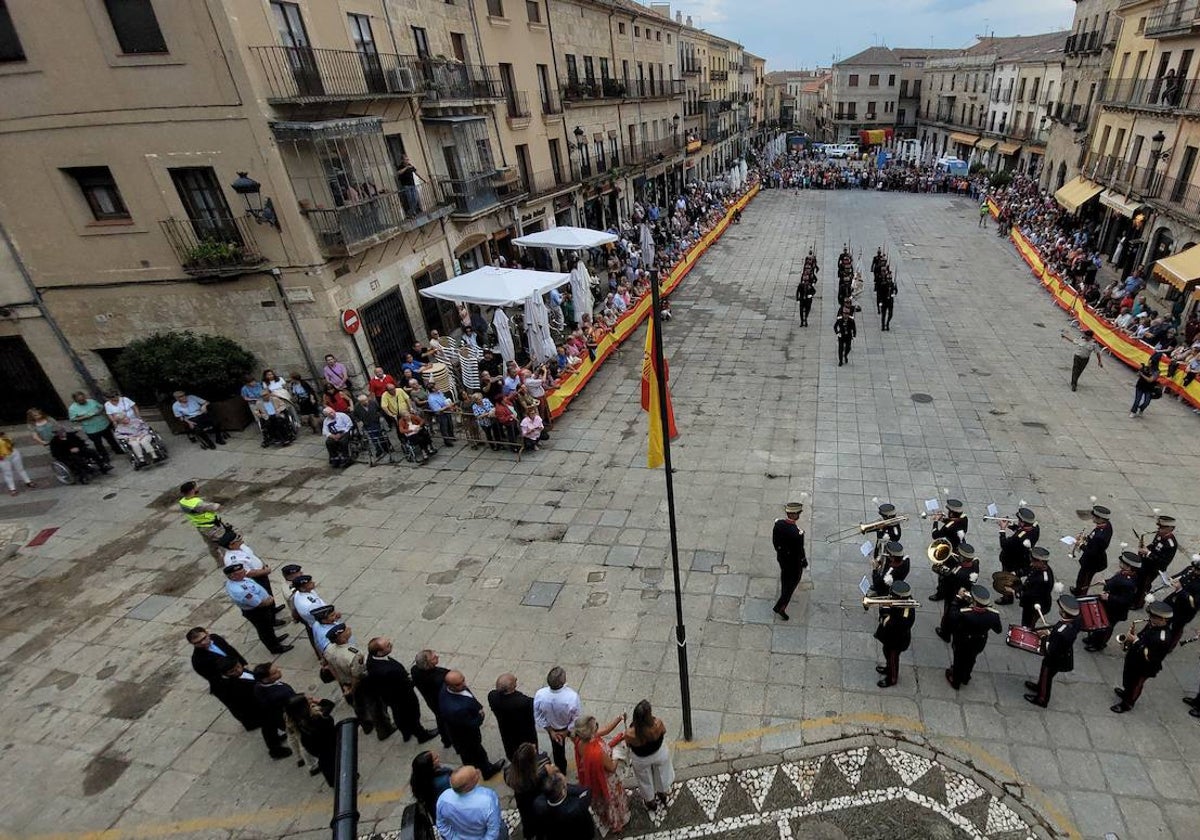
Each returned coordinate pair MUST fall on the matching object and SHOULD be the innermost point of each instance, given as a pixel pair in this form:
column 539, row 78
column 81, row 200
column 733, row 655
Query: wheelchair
column 355, row 444
column 92, row 465
column 378, row 448
column 156, row 443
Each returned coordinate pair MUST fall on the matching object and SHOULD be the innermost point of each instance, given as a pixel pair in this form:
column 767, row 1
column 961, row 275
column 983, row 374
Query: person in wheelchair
column 70, row 450
column 273, row 421
column 374, row 423
column 337, row 429
column 137, row 437
column 416, row 436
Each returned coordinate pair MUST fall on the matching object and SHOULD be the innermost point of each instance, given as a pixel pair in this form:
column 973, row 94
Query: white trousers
column 7, row 465
column 654, row 773
column 142, row 446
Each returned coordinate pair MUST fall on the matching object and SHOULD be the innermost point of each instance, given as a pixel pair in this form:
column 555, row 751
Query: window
column 873, row 80
column 853, row 80
column 891, row 80
column 589, row 69
column 10, row 43
column 614, row 148
column 572, row 70
column 136, row 27
column 100, row 191
column 870, row 109
column 658, row 35
column 421, row 39
column 533, row 10
column 204, row 203
column 668, row 37
column 621, row 28
column 904, row 88
column 438, row 314
column 637, row 32
column 556, row 160
column 495, row 8
column 851, row 110
column 361, row 35
column 395, row 148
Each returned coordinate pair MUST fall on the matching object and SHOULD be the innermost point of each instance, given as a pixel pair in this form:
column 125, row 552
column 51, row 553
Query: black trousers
column 98, row 439
column 1133, row 680
column 558, row 752
column 790, row 573
column 263, row 619
column 446, row 426
column 406, row 710
column 1099, row 638
column 885, row 313
column 844, row 348
column 891, row 658
column 468, row 743
column 963, row 664
column 805, row 308
column 1077, row 368
column 1084, row 579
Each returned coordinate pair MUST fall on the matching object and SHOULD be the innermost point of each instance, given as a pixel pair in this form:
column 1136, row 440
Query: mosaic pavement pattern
column 861, row 792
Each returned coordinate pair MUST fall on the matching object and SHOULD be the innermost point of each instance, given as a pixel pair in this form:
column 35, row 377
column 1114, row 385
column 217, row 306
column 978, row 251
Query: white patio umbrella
column 504, row 335
column 581, row 290
column 566, row 238
column 537, row 329
column 647, row 246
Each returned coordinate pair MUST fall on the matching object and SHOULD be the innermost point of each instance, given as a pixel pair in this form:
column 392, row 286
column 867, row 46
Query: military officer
column 1036, row 586
column 952, row 525
column 1120, row 590
column 1156, row 557
column 894, row 633
column 895, row 567
column 1015, row 546
column 1058, row 650
column 1144, row 656
column 1093, row 549
column 805, row 292
column 886, row 291
column 969, row 628
column 788, row 539
column 845, row 330
column 955, row 581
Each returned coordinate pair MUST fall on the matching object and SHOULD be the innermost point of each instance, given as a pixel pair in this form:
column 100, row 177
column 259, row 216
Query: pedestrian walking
column 1085, row 346
column 788, row 539
column 10, row 463
column 1145, row 389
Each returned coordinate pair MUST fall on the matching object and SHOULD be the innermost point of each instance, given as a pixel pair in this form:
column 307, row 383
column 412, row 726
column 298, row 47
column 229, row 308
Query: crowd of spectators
column 811, row 171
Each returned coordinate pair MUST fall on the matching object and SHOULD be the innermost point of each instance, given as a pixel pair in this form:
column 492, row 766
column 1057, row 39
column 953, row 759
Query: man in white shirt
column 236, row 551
column 336, row 429
column 555, row 708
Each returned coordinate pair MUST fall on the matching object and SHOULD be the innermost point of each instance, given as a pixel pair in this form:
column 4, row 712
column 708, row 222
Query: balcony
column 1173, row 19
column 609, row 89
column 1082, row 43
column 214, row 247
column 1151, row 94
column 551, row 103
column 651, row 151
column 448, row 82
column 352, row 228
column 689, row 67
column 517, row 109
column 718, row 75
column 478, row 194
column 547, row 182
column 304, row 75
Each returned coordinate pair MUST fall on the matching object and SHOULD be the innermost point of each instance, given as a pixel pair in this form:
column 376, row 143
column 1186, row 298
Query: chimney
column 689, row 20
column 679, row 17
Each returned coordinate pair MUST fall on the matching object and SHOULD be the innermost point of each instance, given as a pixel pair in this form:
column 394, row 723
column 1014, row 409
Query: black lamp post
column 257, row 206
column 1156, row 154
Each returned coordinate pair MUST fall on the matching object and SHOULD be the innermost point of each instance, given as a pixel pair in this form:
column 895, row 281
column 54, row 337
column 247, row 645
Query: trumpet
column 1127, row 638
column 1012, row 518
column 864, row 527
column 934, row 515
column 908, row 603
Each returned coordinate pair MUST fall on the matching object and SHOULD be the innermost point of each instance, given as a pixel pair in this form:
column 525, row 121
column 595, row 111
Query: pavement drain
column 541, row 594
column 704, row 560
column 596, row 577
column 922, row 398
column 151, row 607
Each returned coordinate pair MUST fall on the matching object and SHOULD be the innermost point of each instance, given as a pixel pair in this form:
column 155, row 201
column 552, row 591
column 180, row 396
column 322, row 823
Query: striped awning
column 1077, row 192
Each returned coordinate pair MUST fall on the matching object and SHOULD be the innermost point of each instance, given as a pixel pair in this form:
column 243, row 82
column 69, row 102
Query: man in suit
column 562, row 811
column 428, row 677
column 788, row 541
column 235, row 688
column 513, row 711
column 207, row 650
column 394, row 688
column 463, row 716
column 272, row 695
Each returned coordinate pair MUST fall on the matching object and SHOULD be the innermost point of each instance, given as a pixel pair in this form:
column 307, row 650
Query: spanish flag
column 650, row 385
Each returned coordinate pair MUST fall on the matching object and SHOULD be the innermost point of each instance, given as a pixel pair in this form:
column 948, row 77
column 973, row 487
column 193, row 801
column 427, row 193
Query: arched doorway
column 1161, row 245
column 1062, row 176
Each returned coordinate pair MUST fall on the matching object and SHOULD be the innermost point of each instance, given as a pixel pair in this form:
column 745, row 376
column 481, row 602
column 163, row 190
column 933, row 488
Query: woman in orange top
column 597, row 773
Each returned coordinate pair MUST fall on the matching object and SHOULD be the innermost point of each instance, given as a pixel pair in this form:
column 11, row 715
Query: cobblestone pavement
column 561, row 558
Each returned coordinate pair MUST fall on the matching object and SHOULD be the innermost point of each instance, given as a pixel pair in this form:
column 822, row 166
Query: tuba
column 939, row 551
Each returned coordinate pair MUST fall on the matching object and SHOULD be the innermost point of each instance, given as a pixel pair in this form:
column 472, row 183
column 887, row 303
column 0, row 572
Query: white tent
column 490, row 286
column 566, row 238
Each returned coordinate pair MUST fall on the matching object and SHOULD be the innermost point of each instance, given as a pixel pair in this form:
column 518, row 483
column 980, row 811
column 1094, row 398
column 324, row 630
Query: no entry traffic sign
column 350, row 322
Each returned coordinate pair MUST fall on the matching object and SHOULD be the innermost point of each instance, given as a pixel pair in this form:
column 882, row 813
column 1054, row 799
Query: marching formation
column 969, row 615
column 849, row 290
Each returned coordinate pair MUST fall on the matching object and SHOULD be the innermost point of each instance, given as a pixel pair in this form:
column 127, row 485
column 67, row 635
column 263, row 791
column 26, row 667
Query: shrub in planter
column 976, row 168
column 209, row 366
column 1000, row 180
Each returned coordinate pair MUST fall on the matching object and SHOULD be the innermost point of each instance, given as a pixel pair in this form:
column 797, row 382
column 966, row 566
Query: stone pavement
column 562, row 558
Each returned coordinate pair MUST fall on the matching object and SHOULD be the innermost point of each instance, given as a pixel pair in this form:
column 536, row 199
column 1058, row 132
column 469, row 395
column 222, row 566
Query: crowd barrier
column 1121, row 345
column 570, row 388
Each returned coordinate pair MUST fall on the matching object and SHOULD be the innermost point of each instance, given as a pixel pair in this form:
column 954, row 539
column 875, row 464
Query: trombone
column 908, row 603
column 864, row 527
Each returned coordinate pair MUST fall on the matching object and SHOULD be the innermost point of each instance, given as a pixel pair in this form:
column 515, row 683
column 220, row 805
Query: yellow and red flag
column 650, row 386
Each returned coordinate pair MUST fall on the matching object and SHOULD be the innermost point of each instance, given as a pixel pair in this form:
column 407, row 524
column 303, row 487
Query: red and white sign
column 350, row 322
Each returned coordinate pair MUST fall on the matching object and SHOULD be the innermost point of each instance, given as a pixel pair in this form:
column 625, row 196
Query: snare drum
column 1023, row 638
column 1092, row 614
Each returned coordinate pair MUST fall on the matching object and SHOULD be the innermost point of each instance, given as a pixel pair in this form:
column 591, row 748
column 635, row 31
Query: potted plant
column 213, row 253
column 210, row 366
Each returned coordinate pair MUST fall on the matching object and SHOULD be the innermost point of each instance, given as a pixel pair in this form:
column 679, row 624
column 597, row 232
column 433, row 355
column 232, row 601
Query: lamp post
column 262, row 209
column 1157, row 154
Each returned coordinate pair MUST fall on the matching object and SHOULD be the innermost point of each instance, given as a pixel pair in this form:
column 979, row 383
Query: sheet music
column 993, row 509
column 932, row 505
column 1067, row 541
column 864, row 585
column 867, row 548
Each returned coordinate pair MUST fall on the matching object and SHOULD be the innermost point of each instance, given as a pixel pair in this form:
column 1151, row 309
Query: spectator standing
column 562, row 813
column 598, row 772
column 394, row 688
column 10, row 463
column 348, row 663
column 235, row 688
column 555, row 709
column 318, row 734
column 429, row 780
column 115, row 403
column 513, row 711
column 651, row 759
column 379, row 381
column 442, row 410
column 463, row 716
column 41, row 426
column 470, row 811
column 208, row 649
column 428, row 677
column 336, row 373
column 527, row 776
column 90, row 416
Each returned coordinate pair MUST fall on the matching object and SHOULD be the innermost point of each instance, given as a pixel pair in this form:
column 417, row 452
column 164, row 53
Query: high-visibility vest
column 201, row 519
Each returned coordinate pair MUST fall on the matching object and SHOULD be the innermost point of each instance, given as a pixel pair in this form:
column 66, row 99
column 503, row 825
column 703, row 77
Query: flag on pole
column 650, row 386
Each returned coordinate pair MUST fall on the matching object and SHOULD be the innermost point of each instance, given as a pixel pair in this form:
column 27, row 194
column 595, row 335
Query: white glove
column 974, row 577
column 1151, row 597
column 1027, row 543
column 961, row 534
column 888, row 578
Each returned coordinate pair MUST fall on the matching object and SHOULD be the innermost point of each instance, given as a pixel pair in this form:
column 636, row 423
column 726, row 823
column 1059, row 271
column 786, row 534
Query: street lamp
column 262, row 209
column 1156, row 148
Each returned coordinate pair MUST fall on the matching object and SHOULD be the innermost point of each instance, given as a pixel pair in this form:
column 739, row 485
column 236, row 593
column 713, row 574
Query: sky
column 794, row 34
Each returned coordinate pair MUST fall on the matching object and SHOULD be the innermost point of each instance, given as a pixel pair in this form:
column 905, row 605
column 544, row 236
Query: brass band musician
column 894, row 633
column 1015, row 546
column 886, row 533
column 1057, row 649
column 895, row 566
column 1184, row 599
column 1156, row 557
column 955, row 578
column 951, row 525
column 1118, row 596
column 969, row 628
column 1144, row 656
column 1036, row 586
column 1093, row 549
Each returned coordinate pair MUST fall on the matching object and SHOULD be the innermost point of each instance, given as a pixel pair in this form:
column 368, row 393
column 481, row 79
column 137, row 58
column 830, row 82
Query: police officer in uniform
column 1120, row 590
column 1144, row 656
column 952, row 525
column 894, row 633
column 1036, row 586
column 956, row 578
column 1093, row 553
column 886, row 292
column 845, row 329
column 305, row 603
column 1058, row 650
column 1156, row 557
column 1014, row 547
column 257, row 607
column 895, row 567
column 788, row 540
column 969, row 628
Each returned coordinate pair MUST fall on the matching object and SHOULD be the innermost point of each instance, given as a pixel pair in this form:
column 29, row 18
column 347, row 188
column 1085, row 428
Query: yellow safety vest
column 201, row 519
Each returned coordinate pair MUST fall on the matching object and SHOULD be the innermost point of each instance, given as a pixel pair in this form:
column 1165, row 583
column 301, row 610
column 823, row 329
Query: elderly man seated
column 337, row 428
column 135, row 433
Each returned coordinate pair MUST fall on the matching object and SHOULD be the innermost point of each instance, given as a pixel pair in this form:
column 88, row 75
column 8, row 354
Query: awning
column 986, row 145
column 327, row 129
column 453, row 118
column 1075, row 193
column 472, row 241
column 963, row 137
column 1181, row 270
column 1118, row 202
column 1009, row 148
column 491, row 286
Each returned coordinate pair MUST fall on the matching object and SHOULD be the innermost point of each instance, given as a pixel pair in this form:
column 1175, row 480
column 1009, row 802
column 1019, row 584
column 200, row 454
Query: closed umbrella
column 504, row 335
column 647, row 246
column 581, row 290
column 537, row 329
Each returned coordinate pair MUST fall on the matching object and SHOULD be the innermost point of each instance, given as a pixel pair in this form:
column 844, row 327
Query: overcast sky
column 793, row 34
